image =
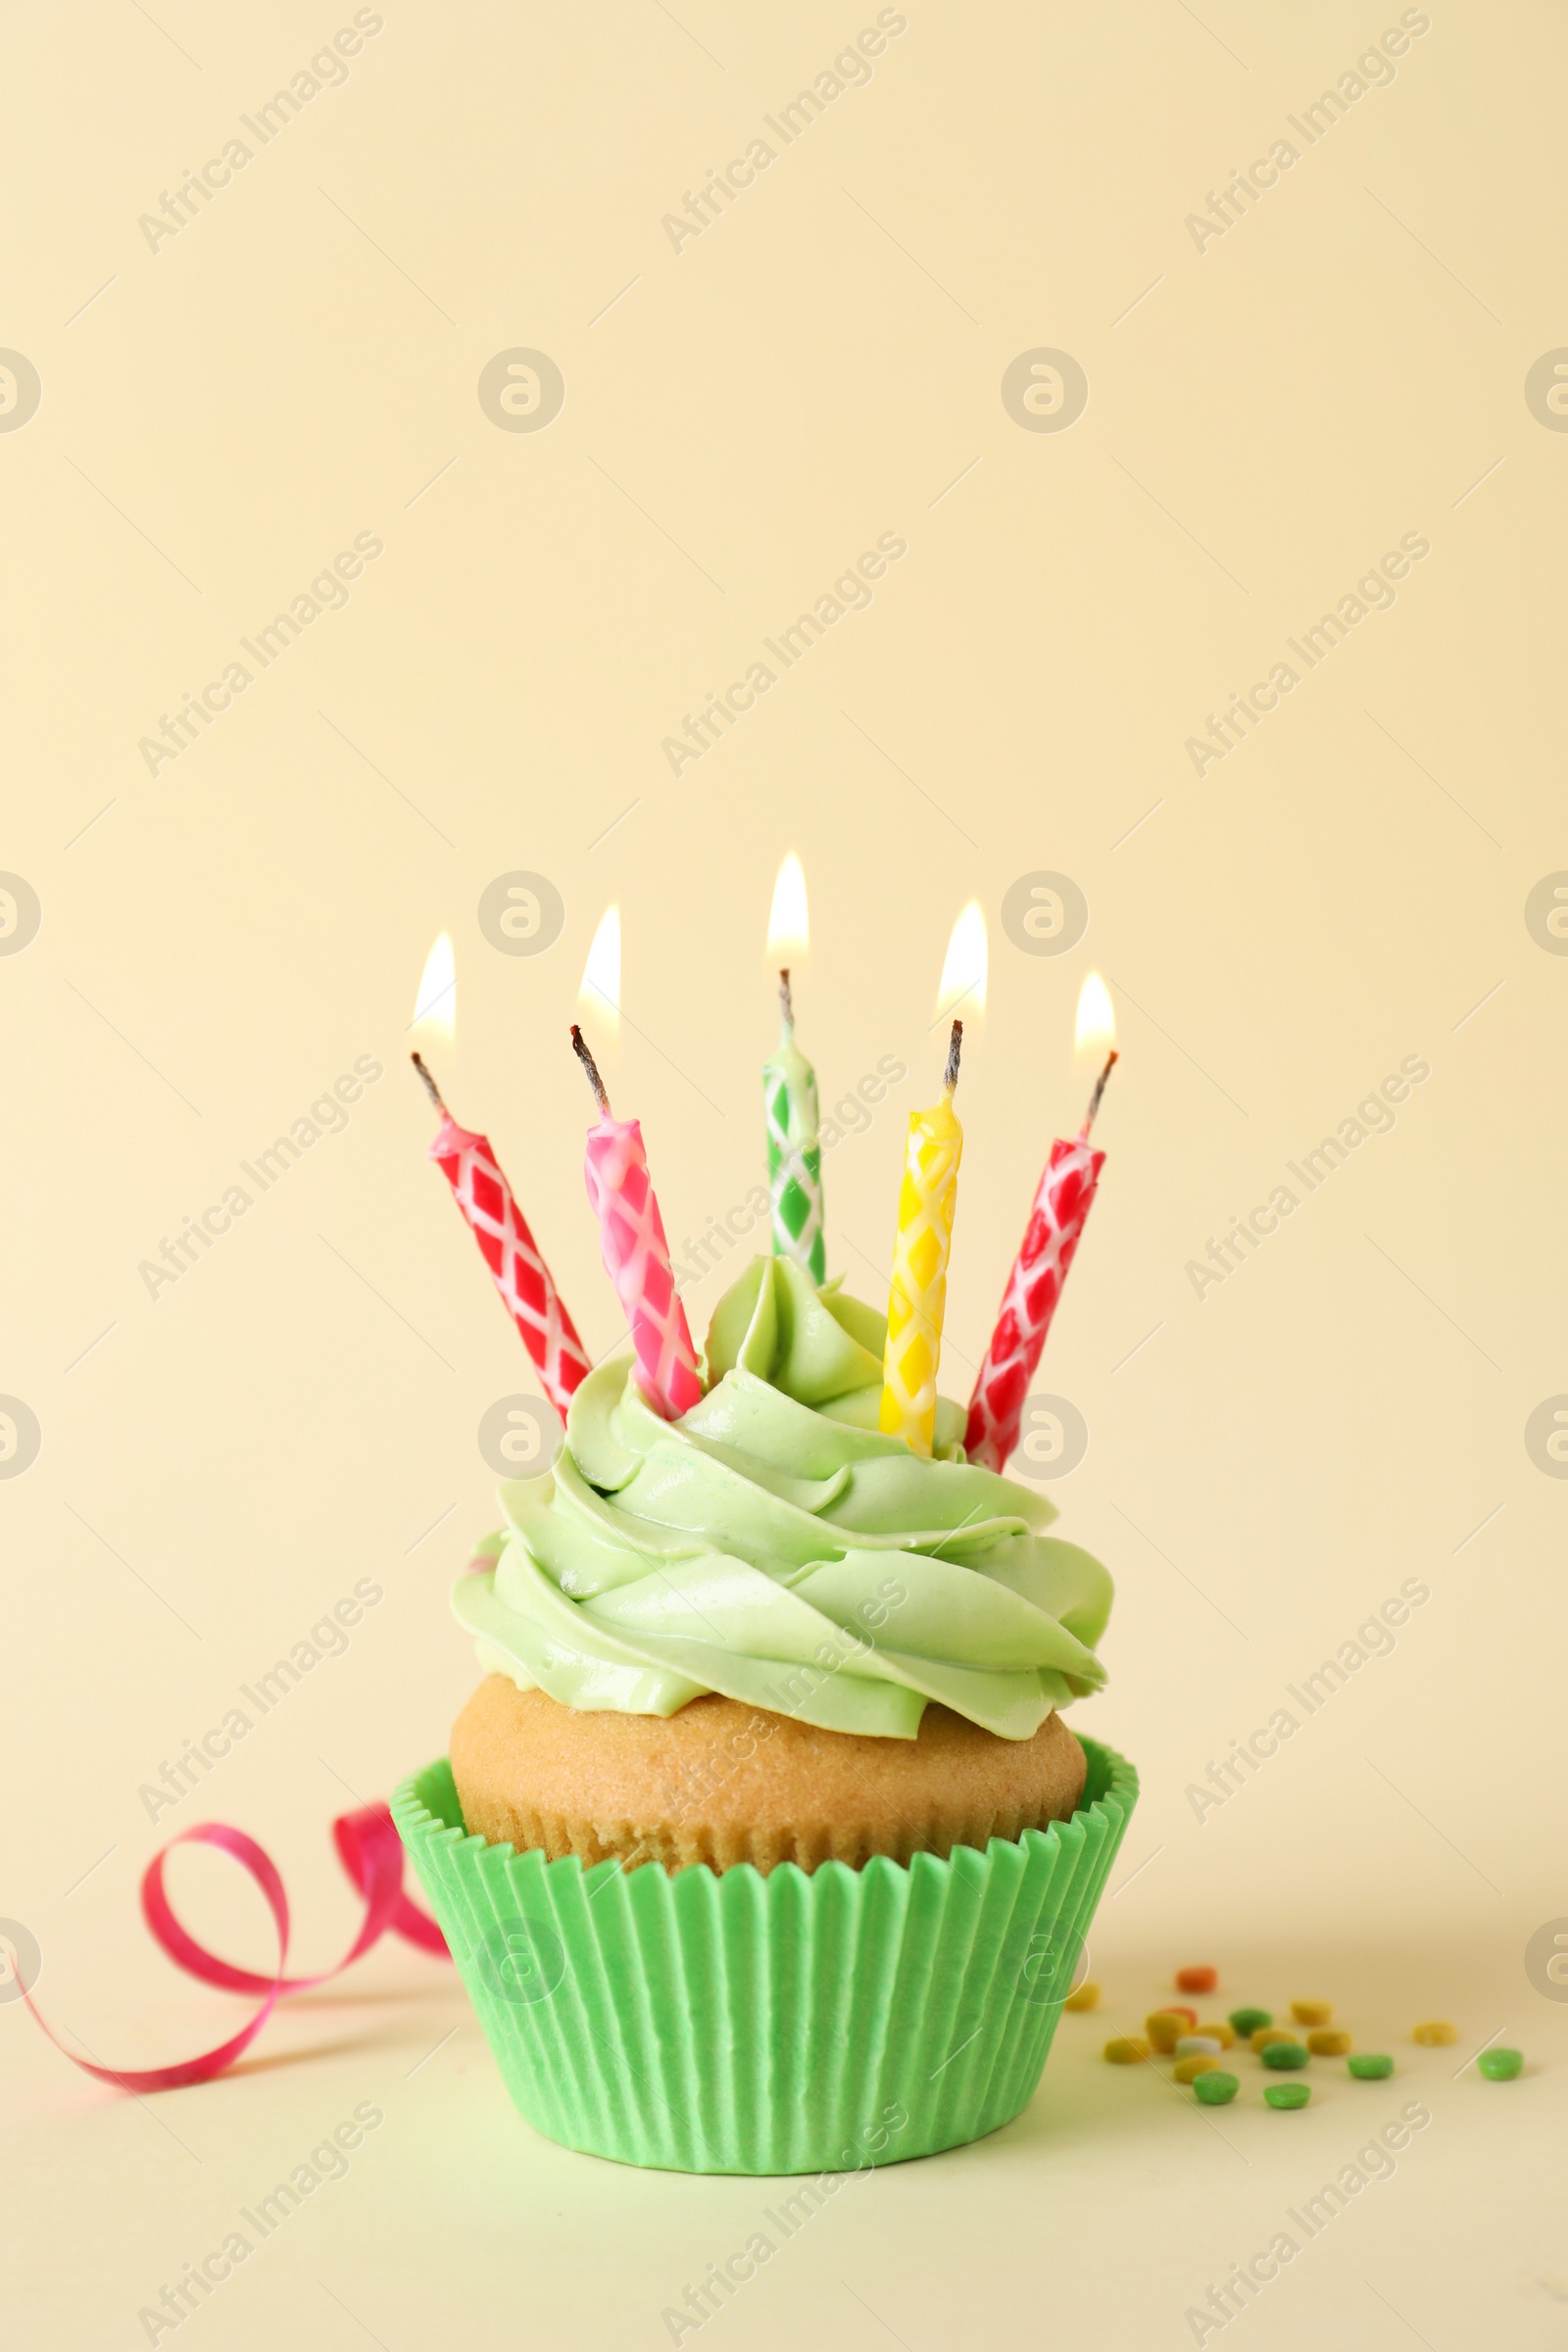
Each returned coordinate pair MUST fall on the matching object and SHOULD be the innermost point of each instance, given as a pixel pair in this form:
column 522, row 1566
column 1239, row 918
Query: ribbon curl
column 371, row 1854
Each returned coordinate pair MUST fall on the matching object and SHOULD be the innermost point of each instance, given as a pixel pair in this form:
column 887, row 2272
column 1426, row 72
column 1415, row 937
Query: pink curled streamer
column 371, row 1854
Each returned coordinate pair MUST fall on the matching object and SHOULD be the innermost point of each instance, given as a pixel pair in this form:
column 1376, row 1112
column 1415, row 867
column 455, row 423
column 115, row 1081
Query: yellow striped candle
column 917, row 1296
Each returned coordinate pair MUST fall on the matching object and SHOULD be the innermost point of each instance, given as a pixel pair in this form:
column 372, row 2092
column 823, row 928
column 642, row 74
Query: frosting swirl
column 773, row 1545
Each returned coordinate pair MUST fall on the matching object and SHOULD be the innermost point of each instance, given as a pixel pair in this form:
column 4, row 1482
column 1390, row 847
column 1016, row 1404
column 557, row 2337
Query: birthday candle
column 794, row 1147
column 917, row 1296
column 636, row 1253
column 1061, row 1205
column 478, row 1186
column 789, row 1093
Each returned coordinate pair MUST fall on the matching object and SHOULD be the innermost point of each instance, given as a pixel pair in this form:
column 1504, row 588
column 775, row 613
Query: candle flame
column 435, row 1007
column 789, row 928
column 600, row 994
column 1096, row 1030
column 963, row 974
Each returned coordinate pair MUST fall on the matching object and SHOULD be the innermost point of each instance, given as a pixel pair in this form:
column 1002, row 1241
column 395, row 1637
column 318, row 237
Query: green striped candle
column 794, row 1149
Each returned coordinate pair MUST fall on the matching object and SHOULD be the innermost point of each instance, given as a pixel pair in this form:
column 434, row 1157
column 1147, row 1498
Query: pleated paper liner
column 728, row 2022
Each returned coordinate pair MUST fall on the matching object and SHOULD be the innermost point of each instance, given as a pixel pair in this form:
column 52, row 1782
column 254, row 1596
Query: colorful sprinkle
column 1499, row 2066
column 1371, row 2066
column 1220, row 2029
column 1267, row 2035
column 1197, row 1979
column 1312, row 2013
column 1198, row 2045
column 1192, row 2070
column 1124, row 2049
column 1087, row 1997
column 1284, row 2057
column 1215, row 2088
column 1165, row 2027
column 1247, row 2021
column 1328, row 2041
column 1435, row 2035
column 1287, row 2094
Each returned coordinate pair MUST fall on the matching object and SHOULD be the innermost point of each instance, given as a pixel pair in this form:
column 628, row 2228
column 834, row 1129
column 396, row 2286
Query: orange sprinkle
column 1197, row 1979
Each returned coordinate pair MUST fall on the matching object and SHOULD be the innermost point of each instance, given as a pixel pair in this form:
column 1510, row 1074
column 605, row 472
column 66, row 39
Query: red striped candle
column 1056, row 1221
column 480, row 1189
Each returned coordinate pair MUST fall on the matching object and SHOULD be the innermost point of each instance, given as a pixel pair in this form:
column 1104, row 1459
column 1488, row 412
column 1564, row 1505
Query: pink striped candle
column 470, row 1165
column 636, row 1253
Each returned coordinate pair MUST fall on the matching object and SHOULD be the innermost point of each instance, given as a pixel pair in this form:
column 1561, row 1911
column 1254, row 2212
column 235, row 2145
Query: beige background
column 219, row 942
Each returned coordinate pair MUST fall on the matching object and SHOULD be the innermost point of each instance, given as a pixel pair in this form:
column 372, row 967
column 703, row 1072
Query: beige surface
column 1266, row 1465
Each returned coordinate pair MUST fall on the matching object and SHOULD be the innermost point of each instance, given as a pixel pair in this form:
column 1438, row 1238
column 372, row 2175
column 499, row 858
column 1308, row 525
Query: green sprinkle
column 1287, row 2094
column 1499, row 2066
column 1247, row 2021
column 1370, row 2065
column 1285, row 2056
column 1215, row 2089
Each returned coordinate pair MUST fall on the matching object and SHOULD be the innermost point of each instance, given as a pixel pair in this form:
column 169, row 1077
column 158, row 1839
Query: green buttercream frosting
column 772, row 1544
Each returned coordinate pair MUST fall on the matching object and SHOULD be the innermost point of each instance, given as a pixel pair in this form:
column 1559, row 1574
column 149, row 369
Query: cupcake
column 763, row 1828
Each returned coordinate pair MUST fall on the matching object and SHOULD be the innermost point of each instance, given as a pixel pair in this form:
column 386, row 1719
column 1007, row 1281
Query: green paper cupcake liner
column 728, row 2022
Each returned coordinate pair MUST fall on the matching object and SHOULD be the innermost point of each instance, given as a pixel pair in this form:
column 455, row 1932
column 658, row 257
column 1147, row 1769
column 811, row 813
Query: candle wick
column 954, row 1048
column 581, row 1047
column 786, row 1002
column 430, row 1085
column 1111, row 1060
